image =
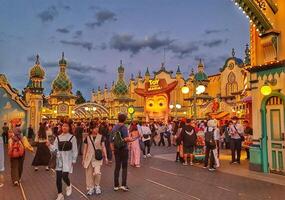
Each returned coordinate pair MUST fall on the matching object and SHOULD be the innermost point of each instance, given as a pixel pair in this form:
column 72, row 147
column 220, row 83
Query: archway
column 90, row 110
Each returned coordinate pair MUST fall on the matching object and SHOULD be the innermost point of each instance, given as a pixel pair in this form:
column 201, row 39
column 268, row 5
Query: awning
column 219, row 115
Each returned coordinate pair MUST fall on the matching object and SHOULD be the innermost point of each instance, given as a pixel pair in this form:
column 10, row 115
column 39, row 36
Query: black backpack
column 209, row 139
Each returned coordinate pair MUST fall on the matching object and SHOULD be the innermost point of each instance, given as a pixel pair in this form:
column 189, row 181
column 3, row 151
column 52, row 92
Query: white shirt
column 145, row 131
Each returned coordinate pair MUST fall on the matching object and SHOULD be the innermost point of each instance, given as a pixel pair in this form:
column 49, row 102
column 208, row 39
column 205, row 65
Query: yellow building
column 267, row 82
column 222, row 98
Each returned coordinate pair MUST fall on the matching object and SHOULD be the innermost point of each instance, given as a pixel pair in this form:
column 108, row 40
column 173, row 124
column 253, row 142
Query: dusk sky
column 96, row 34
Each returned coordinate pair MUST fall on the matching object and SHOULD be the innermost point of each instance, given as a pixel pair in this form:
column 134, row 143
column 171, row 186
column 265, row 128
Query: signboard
column 154, row 85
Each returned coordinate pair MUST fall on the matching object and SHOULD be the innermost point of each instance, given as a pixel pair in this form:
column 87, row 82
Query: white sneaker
column 98, row 190
column 149, row 155
column 68, row 190
column 90, row 192
column 116, row 189
column 60, row 196
column 144, row 156
column 1, row 185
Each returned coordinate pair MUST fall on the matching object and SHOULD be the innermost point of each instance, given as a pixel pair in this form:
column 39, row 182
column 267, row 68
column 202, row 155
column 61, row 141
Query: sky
column 96, row 34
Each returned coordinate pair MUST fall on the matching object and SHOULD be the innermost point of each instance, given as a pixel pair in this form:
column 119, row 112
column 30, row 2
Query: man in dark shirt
column 189, row 137
column 79, row 137
column 5, row 130
column 121, row 155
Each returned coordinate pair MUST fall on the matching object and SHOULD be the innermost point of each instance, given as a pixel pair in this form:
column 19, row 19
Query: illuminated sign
column 154, row 85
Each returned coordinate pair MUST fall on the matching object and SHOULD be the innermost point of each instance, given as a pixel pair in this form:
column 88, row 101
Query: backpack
column 16, row 149
column 119, row 142
column 209, row 139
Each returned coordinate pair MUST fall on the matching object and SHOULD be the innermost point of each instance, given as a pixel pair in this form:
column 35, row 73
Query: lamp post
column 199, row 89
column 176, row 107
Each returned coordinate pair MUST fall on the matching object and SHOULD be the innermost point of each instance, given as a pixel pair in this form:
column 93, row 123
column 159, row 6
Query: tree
column 80, row 99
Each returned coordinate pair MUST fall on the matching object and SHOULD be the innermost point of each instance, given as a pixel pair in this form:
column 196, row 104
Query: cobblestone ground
column 157, row 179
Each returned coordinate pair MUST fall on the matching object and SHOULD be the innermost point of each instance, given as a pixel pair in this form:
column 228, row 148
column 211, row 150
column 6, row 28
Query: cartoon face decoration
column 157, row 106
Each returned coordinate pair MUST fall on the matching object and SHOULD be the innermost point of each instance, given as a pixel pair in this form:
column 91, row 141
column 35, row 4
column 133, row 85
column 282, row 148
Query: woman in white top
column 146, row 133
column 66, row 147
column 91, row 163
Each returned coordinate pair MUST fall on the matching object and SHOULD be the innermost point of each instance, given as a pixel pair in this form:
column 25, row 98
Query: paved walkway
column 158, row 178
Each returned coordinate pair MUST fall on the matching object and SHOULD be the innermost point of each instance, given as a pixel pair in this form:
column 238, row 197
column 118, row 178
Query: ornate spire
column 62, row 61
column 147, row 72
column 139, row 74
column 200, row 66
column 178, row 69
column 99, row 89
column 162, row 66
column 37, row 59
column 247, row 59
column 105, row 87
column 233, row 52
column 132, row 77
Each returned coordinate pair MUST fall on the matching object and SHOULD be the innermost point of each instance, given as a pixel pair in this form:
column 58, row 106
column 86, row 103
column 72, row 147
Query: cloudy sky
column 96, row 34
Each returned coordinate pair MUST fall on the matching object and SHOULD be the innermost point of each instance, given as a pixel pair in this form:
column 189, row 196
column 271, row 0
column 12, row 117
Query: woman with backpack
column 93, row 152
column 65, row 146
column 16, row 151
column 42, row 156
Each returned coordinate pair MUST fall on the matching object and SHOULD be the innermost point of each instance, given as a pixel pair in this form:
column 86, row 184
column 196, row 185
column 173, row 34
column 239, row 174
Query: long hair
column 42, row 132
column 133, row 127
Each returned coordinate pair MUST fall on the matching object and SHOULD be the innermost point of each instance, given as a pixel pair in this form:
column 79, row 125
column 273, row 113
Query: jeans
column 161, row 141
column 121, row 161
column 17, row 168
column 209, row 154
column 59, row 177
column 147, row 146
column 108, row 150
column 236, row 149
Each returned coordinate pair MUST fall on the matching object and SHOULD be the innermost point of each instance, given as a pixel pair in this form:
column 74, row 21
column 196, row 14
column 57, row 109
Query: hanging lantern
column 266, row 89
column 185, row 89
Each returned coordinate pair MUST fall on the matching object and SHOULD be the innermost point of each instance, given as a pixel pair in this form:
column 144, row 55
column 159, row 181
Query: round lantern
column 185, row 89
column 200, row 89
column 266, row 90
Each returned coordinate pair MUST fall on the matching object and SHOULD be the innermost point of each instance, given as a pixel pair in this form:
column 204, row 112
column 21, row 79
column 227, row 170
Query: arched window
column 232, row 85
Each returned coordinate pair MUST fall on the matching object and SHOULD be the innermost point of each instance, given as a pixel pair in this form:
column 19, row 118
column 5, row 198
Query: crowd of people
column 97, row 142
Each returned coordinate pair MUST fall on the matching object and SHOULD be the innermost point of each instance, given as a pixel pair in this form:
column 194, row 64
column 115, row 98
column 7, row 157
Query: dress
column 42, row 156
column 135, row 149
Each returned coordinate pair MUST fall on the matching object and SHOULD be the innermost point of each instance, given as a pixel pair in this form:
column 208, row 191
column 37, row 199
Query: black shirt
column 188, row 136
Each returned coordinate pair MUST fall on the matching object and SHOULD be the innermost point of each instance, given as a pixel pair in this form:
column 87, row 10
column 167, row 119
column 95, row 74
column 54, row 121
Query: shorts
column 188, row 150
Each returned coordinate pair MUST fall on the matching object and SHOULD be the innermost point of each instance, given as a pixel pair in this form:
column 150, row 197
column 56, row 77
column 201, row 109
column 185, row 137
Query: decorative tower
column 247, row 60
column 34, row 94
column 178, row 72
column 61, row 99
column 147, row 74
column 120, row 91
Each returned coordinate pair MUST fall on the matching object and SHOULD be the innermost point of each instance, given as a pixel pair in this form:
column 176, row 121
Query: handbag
column 98, row 152
column 52, row 161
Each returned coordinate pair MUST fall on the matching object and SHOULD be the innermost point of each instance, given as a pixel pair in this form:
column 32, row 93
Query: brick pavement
column 156, row 179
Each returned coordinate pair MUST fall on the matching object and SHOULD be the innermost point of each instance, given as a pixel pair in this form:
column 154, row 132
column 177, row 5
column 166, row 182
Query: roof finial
column 247, row 59
column 121, row 62
column 106, row 87
column 147, row 72
column 178, row 69
column 233, row 52
column 37, row 59
column 62, row 55
column 140, row 74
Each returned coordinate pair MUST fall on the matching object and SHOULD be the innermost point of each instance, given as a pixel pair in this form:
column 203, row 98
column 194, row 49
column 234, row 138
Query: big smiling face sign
column 156, row 106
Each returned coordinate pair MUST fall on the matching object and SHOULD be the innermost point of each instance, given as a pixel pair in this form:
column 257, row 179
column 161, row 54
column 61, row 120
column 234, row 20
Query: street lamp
column 266, row 89
column 171, row 106
column 185, row 89
column 178, row 106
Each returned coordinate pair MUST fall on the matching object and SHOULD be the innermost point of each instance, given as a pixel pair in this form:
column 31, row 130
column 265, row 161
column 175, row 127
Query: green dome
column 37, row 71
column 201, row 76
column 62, row 84
column 120, row 88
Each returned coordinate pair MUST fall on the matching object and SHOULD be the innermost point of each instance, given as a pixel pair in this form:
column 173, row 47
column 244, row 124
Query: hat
column 212, row 123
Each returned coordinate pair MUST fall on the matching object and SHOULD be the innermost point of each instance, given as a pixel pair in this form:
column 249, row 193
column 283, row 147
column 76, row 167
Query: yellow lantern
column 185, row 89
column 266, row 90
column 131, row 110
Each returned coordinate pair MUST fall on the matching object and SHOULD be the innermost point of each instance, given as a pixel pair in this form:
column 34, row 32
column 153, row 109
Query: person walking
column 152, row 127
column 17, row 144
column 93, row 153
column 108, row 143
column 135, row 146
column 248, row 138
column 79, row 137
column 121, row 152
column 188, row 137
column 237, row 136
column 5, row 130
column 161, row 131
column 31, row 133
column 42, row 156
column 146, row 136
column 65, row 146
